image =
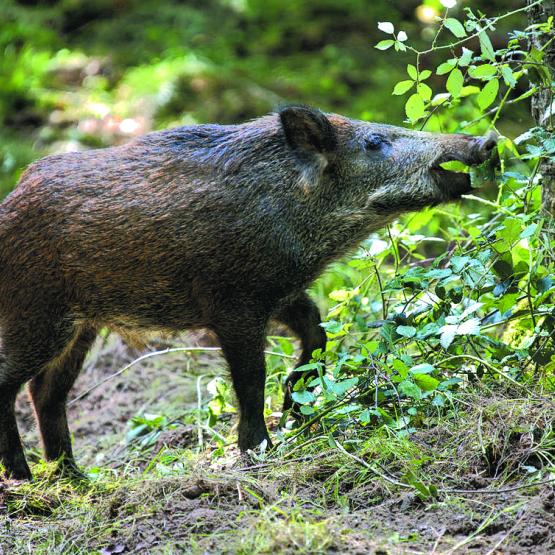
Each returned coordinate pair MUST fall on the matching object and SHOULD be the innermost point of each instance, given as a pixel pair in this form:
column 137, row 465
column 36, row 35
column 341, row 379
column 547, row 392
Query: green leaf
column 486, row 46
column 424, row 74
column 403, row 86
column 455, row 166
column 386, row 27
column 455, row 26
column 445, row 67
column 411, row 70
column 455, row 82
column 510, row 231
column 410, row 389
column 333, row 326
column 447, row 335
column 406, row 331
column 414, row 107
column 488, row 94
column 508, row 76
column 483, row 71
column 342, row 386
column 425, row 382
column 302, row 397
column 529, row 231
column 385, row 44
column 401, row 367
column 438, row 273
column 308, row 367
column 424, row 368
column 364, row 416
column 466, row 57
column 424, row 91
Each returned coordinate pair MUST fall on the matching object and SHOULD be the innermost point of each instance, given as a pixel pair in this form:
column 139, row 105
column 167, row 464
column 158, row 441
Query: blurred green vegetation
column 77, row 74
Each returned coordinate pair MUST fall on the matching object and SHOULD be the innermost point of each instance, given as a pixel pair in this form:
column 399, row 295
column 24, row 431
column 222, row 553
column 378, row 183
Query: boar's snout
column 484, row 148
column 467, row 149
column 470, row 150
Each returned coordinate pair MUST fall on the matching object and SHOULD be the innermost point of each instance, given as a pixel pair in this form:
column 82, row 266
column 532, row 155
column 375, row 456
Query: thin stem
column 489, row 25
column 159, row 353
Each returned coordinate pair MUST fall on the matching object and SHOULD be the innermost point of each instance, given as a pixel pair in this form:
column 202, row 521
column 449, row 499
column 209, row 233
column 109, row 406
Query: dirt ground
column 319, row 502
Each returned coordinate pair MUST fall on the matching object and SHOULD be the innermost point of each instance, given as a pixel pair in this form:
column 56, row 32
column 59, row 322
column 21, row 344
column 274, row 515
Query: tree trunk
column 543, row 102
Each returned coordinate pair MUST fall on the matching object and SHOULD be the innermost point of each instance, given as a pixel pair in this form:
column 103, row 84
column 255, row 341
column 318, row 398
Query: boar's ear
column 307, row 130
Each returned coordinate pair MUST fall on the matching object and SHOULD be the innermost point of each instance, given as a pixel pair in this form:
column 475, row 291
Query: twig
column 488, row 365
column 159, row 353
column 498, row 491
column 281, row 462
column 370, row 467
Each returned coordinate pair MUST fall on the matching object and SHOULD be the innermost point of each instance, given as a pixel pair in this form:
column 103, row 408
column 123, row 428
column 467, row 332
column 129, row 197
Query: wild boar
column 221, row 227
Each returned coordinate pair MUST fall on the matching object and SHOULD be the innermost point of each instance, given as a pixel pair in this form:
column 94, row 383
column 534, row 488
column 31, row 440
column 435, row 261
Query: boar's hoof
column 261, row 445
column 67, row 469
column 15, row 466
column 21, row 472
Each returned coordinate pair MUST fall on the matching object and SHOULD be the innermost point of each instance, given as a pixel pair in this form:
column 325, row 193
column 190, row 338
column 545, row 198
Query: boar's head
column 383, row 170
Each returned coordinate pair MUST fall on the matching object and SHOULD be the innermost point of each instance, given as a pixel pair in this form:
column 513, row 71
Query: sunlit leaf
column 411, row 70
column 403, row 86
column 385, row 44
column 487, row 95
column 406, row 331
column 424, row 91
column 486, row 46
column 455, row 26
column 469, row 327
column 414, row 107
column 447, row 335
column 445, row 67
column 466, row 57
column 483, row 71
column 424, row 368
column 455, row 82
column 426, row 382
column 386, row 27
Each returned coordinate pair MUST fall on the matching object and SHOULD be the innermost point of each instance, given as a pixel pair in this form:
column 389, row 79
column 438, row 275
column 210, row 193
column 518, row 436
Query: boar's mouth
column 476, row 151
column 451, row 184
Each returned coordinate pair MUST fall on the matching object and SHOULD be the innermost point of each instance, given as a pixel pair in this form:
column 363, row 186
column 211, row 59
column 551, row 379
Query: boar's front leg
column 302, row 316
column 242, row 342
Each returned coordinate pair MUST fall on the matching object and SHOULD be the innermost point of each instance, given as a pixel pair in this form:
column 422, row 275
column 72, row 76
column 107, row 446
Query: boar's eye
column 375, row 142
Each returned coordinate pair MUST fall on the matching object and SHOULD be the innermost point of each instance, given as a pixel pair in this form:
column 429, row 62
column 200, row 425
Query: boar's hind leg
column 301, row 315
column 49, row 390
column 243, row 346
column 11, row 451
column 27, row 348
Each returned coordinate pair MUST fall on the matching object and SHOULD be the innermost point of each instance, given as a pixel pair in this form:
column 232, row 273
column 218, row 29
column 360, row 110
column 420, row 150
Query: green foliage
column 422, row 324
